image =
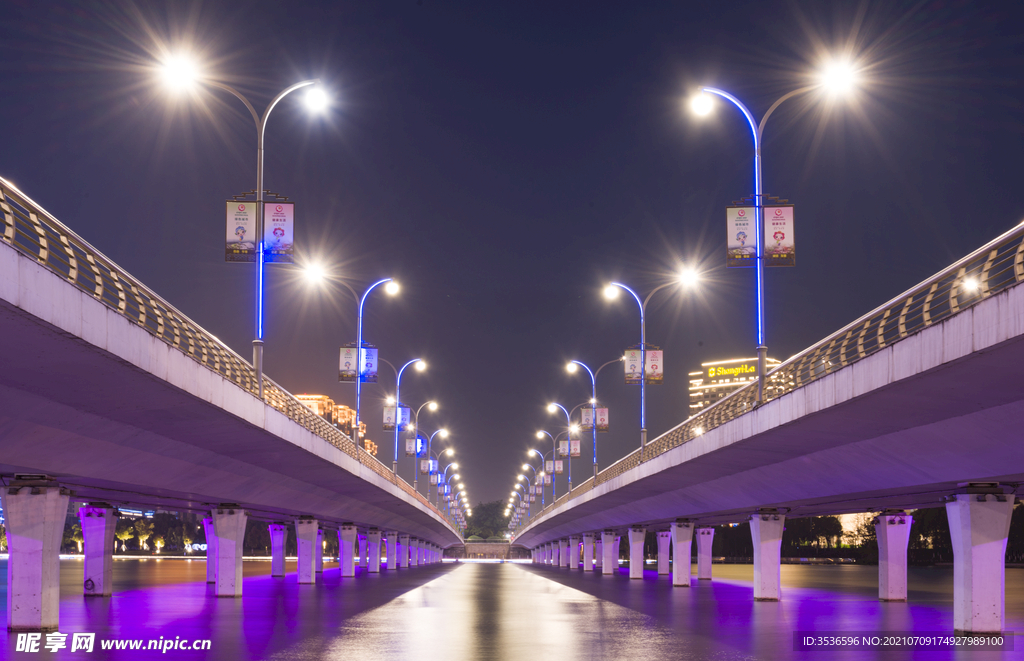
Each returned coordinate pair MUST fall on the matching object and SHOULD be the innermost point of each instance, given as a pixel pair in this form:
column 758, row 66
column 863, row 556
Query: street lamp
column 554, row 442
column 552, row 408
column 571, row 367
column 444, row 434
column 179, row 73
column 543, row 472
column 420, row 366
column 686, row 278
column 837, row 77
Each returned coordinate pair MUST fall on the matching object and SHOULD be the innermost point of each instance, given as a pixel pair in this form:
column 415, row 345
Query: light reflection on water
column 477, row 611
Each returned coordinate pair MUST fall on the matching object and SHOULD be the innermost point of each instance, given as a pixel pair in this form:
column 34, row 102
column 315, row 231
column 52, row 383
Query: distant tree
column 488, row 520
column 158, row 542
column 929, row 536
column 3, row 538
column 143, row 530
column 124, row 531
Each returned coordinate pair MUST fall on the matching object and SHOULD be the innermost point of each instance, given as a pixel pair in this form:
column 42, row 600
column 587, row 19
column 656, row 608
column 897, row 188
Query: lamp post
column 571, row 368
column 420, row 366
column 839, row 77
column 179, row 72
column 444, row 434
column 554, row 453
column 688, row 278
column 541, row 473
column 553, row 407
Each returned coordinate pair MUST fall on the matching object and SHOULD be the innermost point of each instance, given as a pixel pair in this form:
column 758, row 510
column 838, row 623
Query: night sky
column 504, row 161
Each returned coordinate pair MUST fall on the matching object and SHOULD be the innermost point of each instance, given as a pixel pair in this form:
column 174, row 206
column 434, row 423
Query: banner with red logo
column 558, row 466
column 241, row 232
column 549, row 465
column 779, row 243
column 653, row 370
column 634, row 370
column 602, row 419
column 547, row 480
column 279, row 232
column 574, row 448
column 741, row 237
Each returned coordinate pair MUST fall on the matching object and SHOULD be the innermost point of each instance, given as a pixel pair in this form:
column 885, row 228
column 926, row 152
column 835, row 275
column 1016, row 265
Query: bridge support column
column 705, row 540
column 574, row 552
column 403, row 552
column 664, row 540
column 588, row 551
column 363, row 556
column 414, row 552
column 373, row 548
column 278, row 537
column 563, row 552
column 98, row 523
column 609, row 552
column 211, row 549
column 893, row 533
column 545, row 554
column 229, row 526
column 636, row 551
column 766, row 533
column 318, row 552
column 681, row 535
column 34, row 516
column 306, row 530
column 347, row 534
column 391, row 549
column 598, row 551
column 978, row 526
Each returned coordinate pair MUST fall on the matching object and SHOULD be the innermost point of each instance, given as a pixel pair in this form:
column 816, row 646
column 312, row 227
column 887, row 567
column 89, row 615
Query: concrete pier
column 766, row 532
column 681, row 534
column 99, row 522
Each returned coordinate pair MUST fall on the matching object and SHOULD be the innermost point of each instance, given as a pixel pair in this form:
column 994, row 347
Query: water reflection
column 490, row 611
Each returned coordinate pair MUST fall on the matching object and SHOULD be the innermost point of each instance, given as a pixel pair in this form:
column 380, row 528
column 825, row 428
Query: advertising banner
column 575, row 448
column 410, row 447
column 549, row 466
column 586, row 419
column 241, row 232
column 368, row 365
column 634, row 369
column 403, row 418
column 533, row 498
column 563, row 448
column 447, row 489
column 779, row 241
column 424, row 466
column 654, row 367
column 433, row 478
column 278, row 232
column 558, row 467
column 347, row 365
column 389, row 418
column 547, row 480
column 440, row 490
column 602, row 419
column 741, row 239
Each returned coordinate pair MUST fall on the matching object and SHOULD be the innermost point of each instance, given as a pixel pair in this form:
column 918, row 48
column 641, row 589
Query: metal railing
column 32, row 231
column 988, row 270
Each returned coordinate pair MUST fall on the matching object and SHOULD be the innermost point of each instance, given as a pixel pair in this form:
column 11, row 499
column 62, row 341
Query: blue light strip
column 643, row 356
column 259, row 301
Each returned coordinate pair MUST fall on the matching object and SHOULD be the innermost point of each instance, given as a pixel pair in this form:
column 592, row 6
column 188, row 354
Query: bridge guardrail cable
column 985, row 272
column 34, row 232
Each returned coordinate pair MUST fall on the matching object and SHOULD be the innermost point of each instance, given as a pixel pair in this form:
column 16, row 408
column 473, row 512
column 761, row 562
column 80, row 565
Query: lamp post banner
column 410, row 447
column 558, row 466
column 389, row 418
column 279, row 232
column 547, row 480
column 586, row 419
column 741, row 239
column 653, row 370
column 433, row 478
column 549, row 466
column 348, row 365
column 424, row 466
column 404, row 416
column 241, row 232
column 602, row 419
column 563, row 448
column 779, row 241
column 634, row 370
column 368, row 366
column 574, row 448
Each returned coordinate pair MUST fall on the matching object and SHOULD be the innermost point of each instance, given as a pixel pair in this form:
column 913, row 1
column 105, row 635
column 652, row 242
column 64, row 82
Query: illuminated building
column 717, row 379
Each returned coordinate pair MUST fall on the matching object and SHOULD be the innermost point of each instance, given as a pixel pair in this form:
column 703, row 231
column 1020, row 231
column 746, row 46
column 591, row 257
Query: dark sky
column 504, row 161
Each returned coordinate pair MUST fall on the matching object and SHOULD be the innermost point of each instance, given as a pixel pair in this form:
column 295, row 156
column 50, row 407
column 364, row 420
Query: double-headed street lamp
column 444, row 434
column 569, row 428
column 571, row 368
column 839, row 78
column 420, row 366
column 179, row 72
column 687, row 278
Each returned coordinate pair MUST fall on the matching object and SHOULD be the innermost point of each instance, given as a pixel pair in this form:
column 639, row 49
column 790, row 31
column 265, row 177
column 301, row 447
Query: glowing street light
column 836, row 77
column 180, row 72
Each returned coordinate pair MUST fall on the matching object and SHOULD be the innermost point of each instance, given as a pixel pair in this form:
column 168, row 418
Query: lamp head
column 574, row 428
column 593, row 401
column 521, row 477
column 456, row 476
column 432, row 406
column 525, row 466
column 689, row 277
column 701, row 104
column 314, row 273
column 390, row 400
column 611, row 292
column 179, row 72
column 539, row 435
column 838, row 77
column 317, row 100
column 391, row 288
column 552, row 408
column 571, row 367
column 420, row 365
column 450, row 451
column 532, row 452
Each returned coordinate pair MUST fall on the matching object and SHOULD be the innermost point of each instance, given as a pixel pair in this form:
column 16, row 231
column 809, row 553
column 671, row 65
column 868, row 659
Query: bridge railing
column 988, row 270
column 31, row 230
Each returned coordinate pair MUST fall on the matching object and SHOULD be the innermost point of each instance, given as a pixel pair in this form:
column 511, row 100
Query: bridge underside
column 114, row 432
column 904, row 443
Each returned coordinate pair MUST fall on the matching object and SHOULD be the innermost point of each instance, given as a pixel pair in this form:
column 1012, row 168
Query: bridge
column 113, row 396
column 917, row 404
